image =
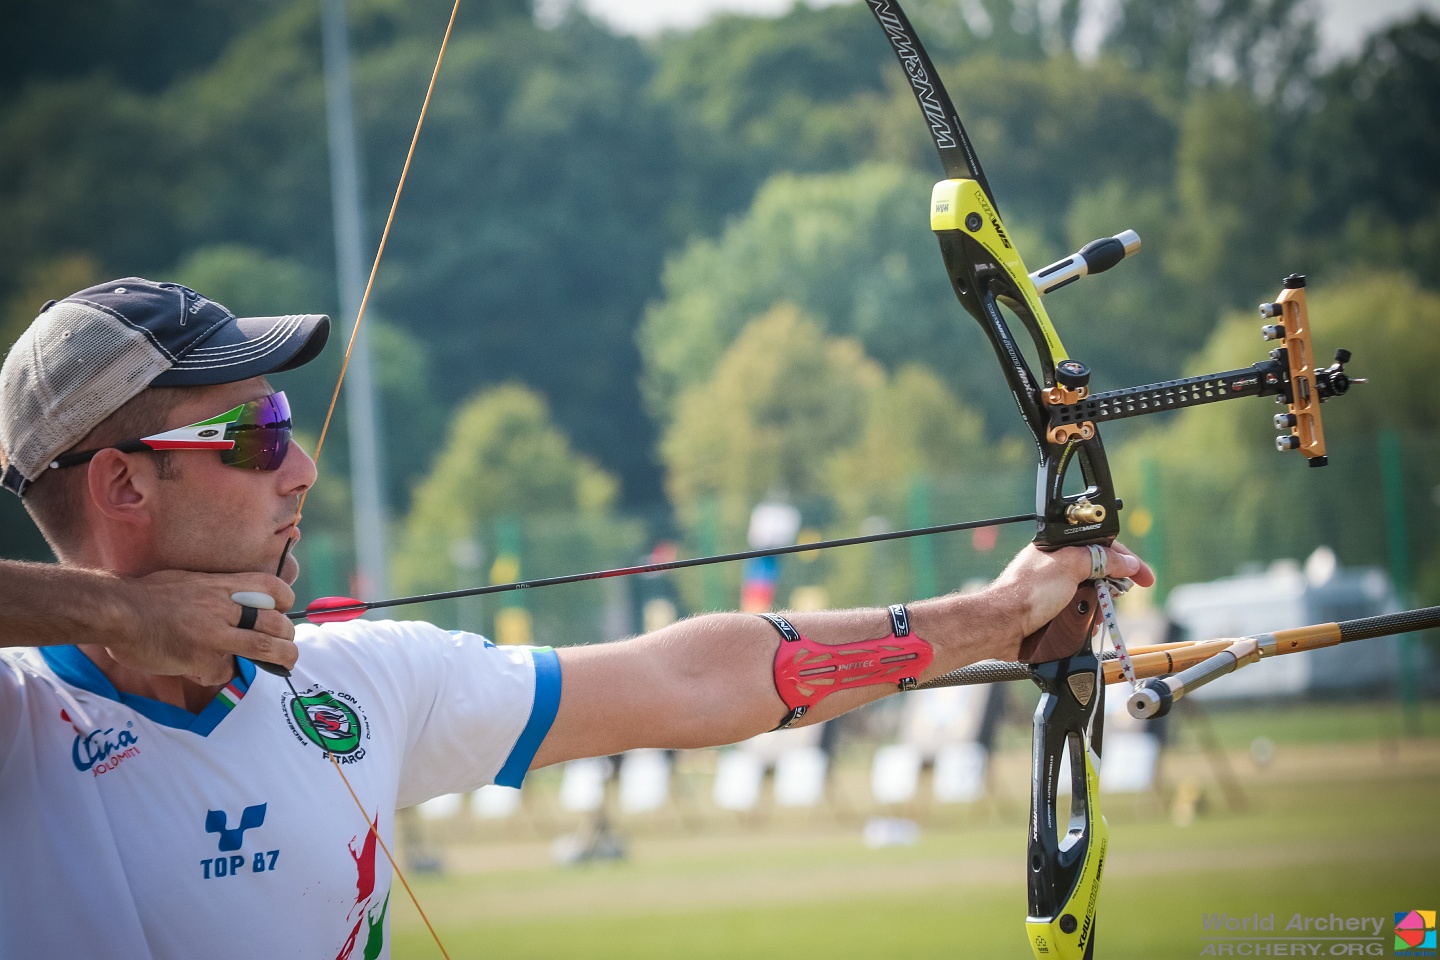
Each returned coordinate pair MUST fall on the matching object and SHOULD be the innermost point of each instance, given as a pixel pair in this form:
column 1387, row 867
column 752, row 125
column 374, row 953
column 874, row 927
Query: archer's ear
column 121, row 486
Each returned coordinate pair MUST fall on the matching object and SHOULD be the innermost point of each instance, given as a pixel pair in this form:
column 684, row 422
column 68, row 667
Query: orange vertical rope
column 384, row 238
column 373, row 824
column 374, row 828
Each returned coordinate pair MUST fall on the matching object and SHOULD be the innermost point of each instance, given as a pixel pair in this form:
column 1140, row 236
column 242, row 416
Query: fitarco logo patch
column 331, row 720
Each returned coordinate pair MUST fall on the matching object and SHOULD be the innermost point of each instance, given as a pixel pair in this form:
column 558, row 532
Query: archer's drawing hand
column 176, row 623
column 1037, row 584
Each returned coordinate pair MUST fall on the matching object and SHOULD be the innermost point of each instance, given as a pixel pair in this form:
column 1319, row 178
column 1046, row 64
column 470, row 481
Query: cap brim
column 248, row 347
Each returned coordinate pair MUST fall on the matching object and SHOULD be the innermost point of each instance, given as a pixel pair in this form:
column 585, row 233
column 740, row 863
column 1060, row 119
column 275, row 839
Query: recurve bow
column 987, row 273
column 1066, row 858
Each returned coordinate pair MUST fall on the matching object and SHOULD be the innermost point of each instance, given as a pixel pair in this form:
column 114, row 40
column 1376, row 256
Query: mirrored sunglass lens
column 261, row 434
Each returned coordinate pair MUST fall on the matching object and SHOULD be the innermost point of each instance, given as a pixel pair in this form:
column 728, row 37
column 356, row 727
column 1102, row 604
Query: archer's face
column 214, row 518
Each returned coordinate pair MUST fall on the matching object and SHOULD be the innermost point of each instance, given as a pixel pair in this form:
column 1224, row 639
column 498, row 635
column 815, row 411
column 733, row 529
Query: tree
column 537, row 214
column 1265, row 46
column 117, row 39
column 86, row 169
column 792, row 414
column 851, row 250
column 41, row 282
column 775, row 94
column 781, row 401
column 1375, row 185
column 503, row 457
column 914, row 426
column 1237, row 202
column 534, row 224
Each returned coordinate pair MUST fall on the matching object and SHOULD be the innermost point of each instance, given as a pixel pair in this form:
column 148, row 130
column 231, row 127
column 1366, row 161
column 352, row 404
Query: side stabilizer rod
column 1097, row 256
column 1156, row 696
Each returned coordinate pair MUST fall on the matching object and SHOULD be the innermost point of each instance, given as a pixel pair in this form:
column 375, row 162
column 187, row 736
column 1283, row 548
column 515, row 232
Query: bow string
column 371, row 824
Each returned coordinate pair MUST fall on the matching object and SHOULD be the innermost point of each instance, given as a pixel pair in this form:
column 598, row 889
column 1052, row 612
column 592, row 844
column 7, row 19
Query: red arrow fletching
column 334, row 610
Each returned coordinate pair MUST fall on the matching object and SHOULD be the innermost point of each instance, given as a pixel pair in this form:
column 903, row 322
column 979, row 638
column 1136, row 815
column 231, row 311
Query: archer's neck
column 179, row 692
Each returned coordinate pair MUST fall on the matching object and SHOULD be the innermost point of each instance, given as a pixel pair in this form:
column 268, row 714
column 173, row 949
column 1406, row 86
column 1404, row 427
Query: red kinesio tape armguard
column 806, row 671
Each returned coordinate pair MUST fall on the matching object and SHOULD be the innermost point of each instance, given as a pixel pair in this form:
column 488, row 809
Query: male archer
column 167, row 799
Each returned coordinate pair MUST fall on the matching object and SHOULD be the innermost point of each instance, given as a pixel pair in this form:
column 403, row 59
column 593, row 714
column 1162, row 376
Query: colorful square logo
column 1415, row 933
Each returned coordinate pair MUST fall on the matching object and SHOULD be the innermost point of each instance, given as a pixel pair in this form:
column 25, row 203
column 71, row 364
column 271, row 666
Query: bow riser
column 1065, row 872
column 962, row 207
column 986, row 271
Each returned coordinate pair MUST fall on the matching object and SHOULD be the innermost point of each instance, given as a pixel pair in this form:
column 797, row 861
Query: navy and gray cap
column 86, row 356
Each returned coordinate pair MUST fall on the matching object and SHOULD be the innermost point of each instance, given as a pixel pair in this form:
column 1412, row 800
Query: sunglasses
column 254, row 436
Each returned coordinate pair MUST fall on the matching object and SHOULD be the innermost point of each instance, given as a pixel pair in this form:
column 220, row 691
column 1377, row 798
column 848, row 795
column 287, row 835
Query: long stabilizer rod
column 1155, row 697
column 1191, row 664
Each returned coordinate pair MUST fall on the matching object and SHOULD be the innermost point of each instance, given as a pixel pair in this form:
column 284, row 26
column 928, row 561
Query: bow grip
column 1068, row 633
column 1071, row 629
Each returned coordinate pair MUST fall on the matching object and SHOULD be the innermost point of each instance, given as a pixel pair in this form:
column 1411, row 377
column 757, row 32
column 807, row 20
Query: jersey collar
column 71, row 665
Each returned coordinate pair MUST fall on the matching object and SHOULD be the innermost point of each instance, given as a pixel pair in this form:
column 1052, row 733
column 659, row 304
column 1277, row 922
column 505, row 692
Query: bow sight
column 987, row 273
column 1289, row 376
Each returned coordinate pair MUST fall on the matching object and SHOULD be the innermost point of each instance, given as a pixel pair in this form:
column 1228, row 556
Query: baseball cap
column 85, row 356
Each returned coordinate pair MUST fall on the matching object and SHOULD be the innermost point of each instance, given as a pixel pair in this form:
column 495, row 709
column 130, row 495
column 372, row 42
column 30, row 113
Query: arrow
column 343, row 609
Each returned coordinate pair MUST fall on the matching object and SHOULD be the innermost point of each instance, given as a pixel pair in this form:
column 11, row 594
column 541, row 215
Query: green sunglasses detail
column 252, row 436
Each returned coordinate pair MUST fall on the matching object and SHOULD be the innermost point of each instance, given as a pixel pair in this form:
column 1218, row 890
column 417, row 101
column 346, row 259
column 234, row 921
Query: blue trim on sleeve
column 542, row 715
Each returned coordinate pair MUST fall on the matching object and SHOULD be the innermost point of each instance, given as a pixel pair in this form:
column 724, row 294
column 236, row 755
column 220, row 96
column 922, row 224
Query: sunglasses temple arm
column 85, row 456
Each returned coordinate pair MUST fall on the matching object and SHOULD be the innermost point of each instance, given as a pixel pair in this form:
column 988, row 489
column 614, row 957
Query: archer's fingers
column 275, row 624
column 1121, row 561
column 253, row 645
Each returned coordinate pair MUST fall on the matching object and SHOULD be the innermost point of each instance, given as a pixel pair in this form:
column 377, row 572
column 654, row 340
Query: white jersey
column 131, row 828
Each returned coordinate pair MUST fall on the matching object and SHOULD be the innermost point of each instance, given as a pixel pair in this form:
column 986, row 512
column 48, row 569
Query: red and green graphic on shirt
column 372, row 916
column 231, row 694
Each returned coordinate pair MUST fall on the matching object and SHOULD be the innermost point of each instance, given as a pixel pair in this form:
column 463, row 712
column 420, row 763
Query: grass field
column 1342, row 821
